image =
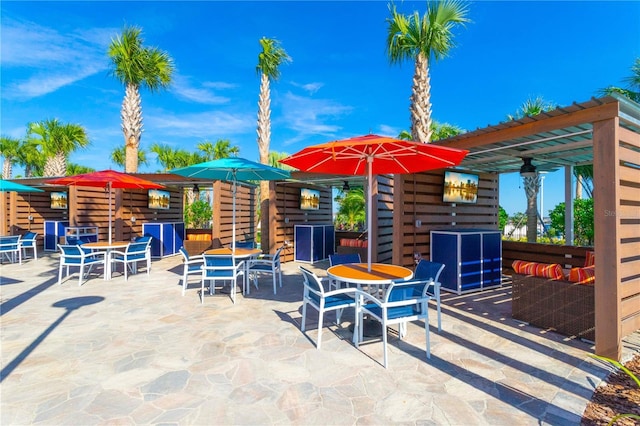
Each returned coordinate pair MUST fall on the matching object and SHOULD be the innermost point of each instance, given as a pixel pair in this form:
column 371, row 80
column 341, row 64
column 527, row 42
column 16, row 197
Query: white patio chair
column 10, row 248
column 341, row 259
column 192, row 265
column 430, row 271
column 323, row 301
column 404, row 301
column 76, row 256
column 221, row 267
column 267, row 264
column 133, row 254
column 29, row 242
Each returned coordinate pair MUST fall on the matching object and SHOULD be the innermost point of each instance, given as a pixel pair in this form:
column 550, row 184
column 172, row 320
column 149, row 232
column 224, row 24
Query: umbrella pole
column 109, row 189
column 369, row 210
column 233, row 227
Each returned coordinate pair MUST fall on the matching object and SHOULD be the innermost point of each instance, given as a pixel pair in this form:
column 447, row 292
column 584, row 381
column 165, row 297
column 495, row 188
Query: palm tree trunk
column 56, row 165
column 6, row 168
column 131, row 115
column 264, row 137
column 421, row 101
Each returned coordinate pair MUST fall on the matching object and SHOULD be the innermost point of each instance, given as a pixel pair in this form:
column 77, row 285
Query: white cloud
column 390, row 131
column 309, row 87
column 184, row 88
column 309, row 116
column 200, row 125
column 49, row 59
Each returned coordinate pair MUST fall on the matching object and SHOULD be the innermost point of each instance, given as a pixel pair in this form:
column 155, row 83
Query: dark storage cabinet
column 472, row 258
column 313, row 243
column 167, row 237
column 53, row 230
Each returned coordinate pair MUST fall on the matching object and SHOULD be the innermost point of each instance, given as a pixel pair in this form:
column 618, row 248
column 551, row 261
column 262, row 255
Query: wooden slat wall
column 617, row 224
column 284, row 213
column 629, row 216
column 567, row 256
column 422, row 200
column 223, row 212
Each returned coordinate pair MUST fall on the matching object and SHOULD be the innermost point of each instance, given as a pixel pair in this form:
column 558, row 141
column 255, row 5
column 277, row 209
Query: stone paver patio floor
column 137, row 352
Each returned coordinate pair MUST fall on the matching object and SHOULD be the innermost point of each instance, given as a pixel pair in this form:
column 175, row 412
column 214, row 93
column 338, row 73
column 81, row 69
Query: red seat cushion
column 584, row 275
column 590, row 259
column 544, row 270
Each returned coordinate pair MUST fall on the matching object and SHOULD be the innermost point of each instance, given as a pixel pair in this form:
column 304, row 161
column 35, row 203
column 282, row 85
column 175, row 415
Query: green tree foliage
column 77, row 169
column 198, row 215
column 503, row 218
column 583, row 227
column 632, row 91
column 351, row 213
column 421, row 39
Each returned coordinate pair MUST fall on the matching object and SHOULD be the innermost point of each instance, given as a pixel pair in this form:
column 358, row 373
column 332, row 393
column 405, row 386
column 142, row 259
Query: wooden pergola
column 604, row 132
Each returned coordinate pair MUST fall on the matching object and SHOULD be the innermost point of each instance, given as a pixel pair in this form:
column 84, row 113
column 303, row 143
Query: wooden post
column 607, row 242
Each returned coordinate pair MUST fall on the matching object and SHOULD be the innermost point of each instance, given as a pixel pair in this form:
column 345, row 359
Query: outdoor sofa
column 546, row 296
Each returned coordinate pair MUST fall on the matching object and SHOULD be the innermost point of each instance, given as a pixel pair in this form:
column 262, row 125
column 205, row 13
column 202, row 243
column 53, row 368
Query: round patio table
column 245, row 254
column 107, row 246
column 380, row 275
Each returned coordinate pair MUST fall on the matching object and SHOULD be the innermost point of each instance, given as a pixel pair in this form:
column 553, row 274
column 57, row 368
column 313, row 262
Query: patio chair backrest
column 312, row 285
column 219, row 265
column 136, row 250
column 71, row 253
column 406, row 298
column 427, row 270
column 10, row 244
column 341, row 259
column 29, row 238
column 184, row 253
column 245, row 244
column 144, row 239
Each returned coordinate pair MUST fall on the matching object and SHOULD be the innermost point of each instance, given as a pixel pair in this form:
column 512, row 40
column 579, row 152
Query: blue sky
column 340, row 83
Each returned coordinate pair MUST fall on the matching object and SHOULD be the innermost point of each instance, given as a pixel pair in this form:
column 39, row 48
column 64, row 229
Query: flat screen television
column 309, row 199
column 59, row 200
column 159, row 199
column 460, row 187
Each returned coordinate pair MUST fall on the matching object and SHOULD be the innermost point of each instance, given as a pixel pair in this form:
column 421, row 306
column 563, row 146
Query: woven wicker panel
column 568, row 308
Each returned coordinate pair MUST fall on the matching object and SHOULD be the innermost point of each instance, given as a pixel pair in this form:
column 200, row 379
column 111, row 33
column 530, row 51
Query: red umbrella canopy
column 105, row 178
column 386, row 155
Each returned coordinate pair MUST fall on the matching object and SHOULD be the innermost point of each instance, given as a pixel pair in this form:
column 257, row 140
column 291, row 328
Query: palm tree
column 352, row 208
column 9, row 148
column 77, row 169
column 420, row 39
column 274, row 160
column 170, row 158
column 31, row 158
column 633, row 84
column 221, row 149
column 56, row 141
column 531, row 107
column 438, row 131
column 269, row 61
column 118, row 156
column 135, row 65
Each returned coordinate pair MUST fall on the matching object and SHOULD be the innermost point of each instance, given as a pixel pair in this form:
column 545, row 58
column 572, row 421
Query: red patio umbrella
column 372, row 155
column 107, row 179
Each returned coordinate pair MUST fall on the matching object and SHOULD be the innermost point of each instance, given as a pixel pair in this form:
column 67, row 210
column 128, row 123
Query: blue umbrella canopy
column 232, row 169
column 7, row 186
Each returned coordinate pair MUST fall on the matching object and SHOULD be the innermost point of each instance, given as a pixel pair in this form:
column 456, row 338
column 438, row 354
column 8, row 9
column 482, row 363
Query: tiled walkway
column 137, row 352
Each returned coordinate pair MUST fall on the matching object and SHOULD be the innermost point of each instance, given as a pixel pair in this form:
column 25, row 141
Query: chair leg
column 60, row 273
column 202, row 292
column 304, row 315
column 320, row 321
column 184, row 282
column 439, row 316
column 384, row 342
column 273, row 273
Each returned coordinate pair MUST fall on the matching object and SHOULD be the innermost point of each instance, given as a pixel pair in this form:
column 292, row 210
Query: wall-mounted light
column 196, row 188
column 346, row 186
column 527, row 169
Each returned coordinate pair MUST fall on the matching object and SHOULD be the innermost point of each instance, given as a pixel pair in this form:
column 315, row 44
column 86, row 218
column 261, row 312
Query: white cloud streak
column 48, row 59
column 308, row 116
column 183, row 87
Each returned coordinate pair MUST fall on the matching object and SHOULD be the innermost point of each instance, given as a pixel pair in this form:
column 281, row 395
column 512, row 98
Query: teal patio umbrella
column 232, row 169
column 8, row 186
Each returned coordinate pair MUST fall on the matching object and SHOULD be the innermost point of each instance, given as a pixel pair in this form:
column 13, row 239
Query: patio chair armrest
column 363, row 295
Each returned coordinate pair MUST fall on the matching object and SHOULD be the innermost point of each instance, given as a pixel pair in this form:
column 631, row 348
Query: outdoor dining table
column 380, row 276
column 245, row 254
column 107, row 247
